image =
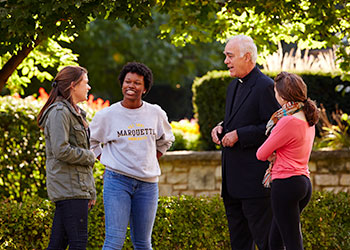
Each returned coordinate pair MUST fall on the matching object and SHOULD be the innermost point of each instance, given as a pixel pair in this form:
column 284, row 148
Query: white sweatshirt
column 128, row 139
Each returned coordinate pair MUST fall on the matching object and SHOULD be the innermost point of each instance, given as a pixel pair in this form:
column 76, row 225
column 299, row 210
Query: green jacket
column 69, row 162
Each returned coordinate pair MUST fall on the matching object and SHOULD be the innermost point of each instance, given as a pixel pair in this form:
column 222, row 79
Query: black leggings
column 288, row 198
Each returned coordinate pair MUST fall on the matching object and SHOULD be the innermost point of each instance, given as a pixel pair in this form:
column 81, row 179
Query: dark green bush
column 326, row 222
column 25, row 225
column 209, row 95
column 182, row 223
column 322, row 89
column 186, row 222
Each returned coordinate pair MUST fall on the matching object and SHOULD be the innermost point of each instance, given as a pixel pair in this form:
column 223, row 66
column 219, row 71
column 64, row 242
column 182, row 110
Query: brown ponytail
column 291, row 87
column 311, row 112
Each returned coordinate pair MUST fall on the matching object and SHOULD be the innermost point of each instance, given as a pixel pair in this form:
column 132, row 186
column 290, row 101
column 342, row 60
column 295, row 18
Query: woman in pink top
column 291, row 133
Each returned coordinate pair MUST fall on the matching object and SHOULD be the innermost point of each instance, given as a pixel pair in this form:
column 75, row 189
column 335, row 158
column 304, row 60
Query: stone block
column 181, row 169
column 323, row 166
column 202, row 178
column 162, row 178
column 165, row 190
column 333, row 189
column 345, row 180
column 187, row 192
column 312, row 179
column 326, row 180
column 312, row 166
column 332, row 165
column 166, row 167
column 177, row 178
column 180, row 187
column 218, row 173
column 207, row 193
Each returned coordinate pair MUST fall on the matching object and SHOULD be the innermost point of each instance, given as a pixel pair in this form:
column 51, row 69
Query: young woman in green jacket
column 69, row 162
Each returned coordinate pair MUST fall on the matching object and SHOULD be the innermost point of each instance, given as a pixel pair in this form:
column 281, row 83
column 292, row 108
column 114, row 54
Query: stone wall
column 199, row 173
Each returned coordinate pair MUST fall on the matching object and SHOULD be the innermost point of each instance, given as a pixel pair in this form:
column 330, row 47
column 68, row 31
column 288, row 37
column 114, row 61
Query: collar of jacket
column 248, row 76
column 71, row 108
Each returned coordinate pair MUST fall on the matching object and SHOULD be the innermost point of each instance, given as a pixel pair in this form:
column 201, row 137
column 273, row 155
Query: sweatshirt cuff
column 162, row 148
column 97, row 151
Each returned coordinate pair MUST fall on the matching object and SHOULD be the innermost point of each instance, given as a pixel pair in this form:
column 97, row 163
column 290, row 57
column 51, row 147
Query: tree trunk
column 14, row 62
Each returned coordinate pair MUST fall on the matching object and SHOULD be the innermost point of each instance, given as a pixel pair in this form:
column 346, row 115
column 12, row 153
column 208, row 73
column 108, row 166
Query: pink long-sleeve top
column 292, row 140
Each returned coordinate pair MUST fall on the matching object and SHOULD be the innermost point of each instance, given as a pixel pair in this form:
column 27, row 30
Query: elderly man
column 250, row 102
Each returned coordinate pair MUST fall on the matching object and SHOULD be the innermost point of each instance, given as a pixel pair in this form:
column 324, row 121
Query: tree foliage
column 309, row 23
column 107, row 45
column 27, row 23
column 38, row 64
column 24, row 21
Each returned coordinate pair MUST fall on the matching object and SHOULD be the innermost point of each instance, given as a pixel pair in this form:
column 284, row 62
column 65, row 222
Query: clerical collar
column 246, row 78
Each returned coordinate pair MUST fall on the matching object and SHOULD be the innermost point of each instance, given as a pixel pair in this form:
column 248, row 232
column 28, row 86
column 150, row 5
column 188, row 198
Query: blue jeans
column 127, row 200
column 70, row 225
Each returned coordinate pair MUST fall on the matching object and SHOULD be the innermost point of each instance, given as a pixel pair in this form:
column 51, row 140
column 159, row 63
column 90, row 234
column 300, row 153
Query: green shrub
column 183, row 222
column 326, row 221
column 322, row 89
column 22, row 150
column 186, row 222
column 25, row 225
column 180, row 142
column 209, row 95
column 183, row 142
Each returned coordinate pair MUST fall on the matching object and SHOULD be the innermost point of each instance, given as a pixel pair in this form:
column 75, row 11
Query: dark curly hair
column 140, row 69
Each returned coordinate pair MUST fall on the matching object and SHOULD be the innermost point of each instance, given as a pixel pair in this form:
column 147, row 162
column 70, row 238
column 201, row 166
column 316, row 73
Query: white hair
column 246, row 45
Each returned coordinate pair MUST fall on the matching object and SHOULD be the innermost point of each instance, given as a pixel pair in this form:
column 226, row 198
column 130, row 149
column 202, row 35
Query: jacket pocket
column 84, row 178
column 79, row 134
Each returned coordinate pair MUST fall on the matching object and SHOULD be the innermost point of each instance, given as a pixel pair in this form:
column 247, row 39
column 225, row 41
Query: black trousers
column 249, row 222
column 70, row 225
column 288, row 197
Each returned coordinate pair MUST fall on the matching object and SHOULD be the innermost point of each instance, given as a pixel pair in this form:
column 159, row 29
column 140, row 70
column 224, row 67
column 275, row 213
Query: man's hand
column 230, row 139
column 214, row 134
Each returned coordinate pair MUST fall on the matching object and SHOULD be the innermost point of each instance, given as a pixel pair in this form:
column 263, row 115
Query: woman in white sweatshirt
column 128, row 138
